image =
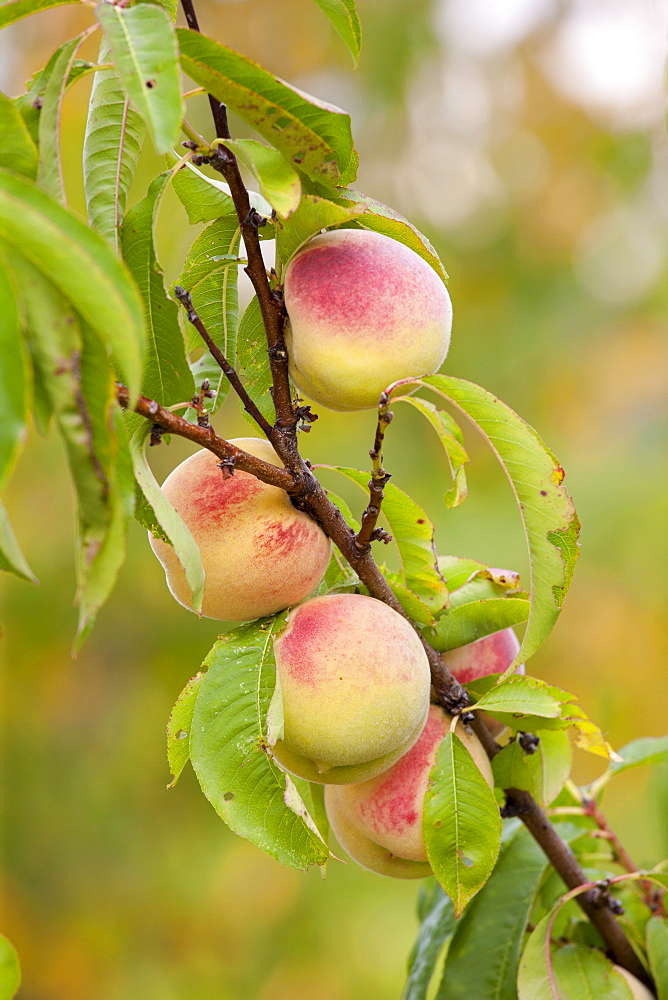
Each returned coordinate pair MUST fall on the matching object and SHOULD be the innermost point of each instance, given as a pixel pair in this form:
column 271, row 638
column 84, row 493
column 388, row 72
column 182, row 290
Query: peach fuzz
column 260, row 553
column 379, row 822
column 354, row 682
column 364, row 311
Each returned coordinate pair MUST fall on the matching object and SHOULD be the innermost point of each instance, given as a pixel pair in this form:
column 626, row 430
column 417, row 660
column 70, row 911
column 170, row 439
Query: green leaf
column 112, row 144
column 10, row 970
column 18, row 151
column 12, row 559
column 143, row 44
column 450, row 436
column 205, row 198
column 228, row 748
column 510, row 769
column 542, row 773
column 80, row 264
column 656, row 936
column 550, row 765
column 463, row 624
column 167, row 377
column 179, row 727
column 279, row 183
column 646, row 750
column 343, row 16
column 312, row 215
column 312, row 135
column 414, row 606
column 171, row 523
column 210, row 274
column 253, row 361
column 313, row 796
column 14, row 380
column 547, row 512
column 14, row 10
column 382, row 219
column 482, row 584
column 461, row 823
column 437, row 923
column 570, row 972
column 30, row 104
column 99, row 571
column 50, row 171
column 76, row 374
column 457, row 571
column 524, row 695
column 484, row 953
column 413, row 533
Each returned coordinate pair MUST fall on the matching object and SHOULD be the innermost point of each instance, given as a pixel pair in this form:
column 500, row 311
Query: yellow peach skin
column 638, row 990
column 354, row 682
column 260, row 553
column 364, row 311
column 379, row 822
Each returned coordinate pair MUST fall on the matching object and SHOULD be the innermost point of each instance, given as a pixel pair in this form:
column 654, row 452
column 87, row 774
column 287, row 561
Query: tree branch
column 561, row 857
column 368, row 530
column 284, row 434
column 218, row 110
column 206, row 437
column 653, row 896
column 193, row 317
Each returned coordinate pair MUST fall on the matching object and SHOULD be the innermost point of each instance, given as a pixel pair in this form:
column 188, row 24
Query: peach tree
column 316, row 707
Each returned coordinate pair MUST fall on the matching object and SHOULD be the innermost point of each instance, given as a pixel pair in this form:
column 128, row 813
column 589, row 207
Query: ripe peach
column 364, row 311
column 489, row 655
column 379, row 822
column 260, row 553
column 354, row 681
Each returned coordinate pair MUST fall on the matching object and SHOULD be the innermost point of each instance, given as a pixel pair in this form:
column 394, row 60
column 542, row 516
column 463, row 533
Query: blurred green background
column 526, row 139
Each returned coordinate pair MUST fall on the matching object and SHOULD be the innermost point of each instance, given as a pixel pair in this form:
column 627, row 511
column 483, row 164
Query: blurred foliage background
column 526, row 138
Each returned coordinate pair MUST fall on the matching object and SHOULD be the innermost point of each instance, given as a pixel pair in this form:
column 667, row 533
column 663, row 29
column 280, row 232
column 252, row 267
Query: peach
column 489, row 655
column 364, row 311
column 260, row 553
column 354, row 681
column 379, row 822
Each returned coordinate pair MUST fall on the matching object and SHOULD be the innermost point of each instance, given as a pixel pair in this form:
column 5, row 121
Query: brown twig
column 193, row 317
column 652, row 895
column 368, row 531
column 206, row 437
column 224, row 162
column 218, row 110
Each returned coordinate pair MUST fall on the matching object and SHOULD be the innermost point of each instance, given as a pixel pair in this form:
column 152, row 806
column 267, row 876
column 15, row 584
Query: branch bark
column 379, row 477
column 193, row 317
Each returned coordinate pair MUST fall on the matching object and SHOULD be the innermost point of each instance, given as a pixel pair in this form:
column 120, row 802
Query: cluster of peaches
column 352, row 673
